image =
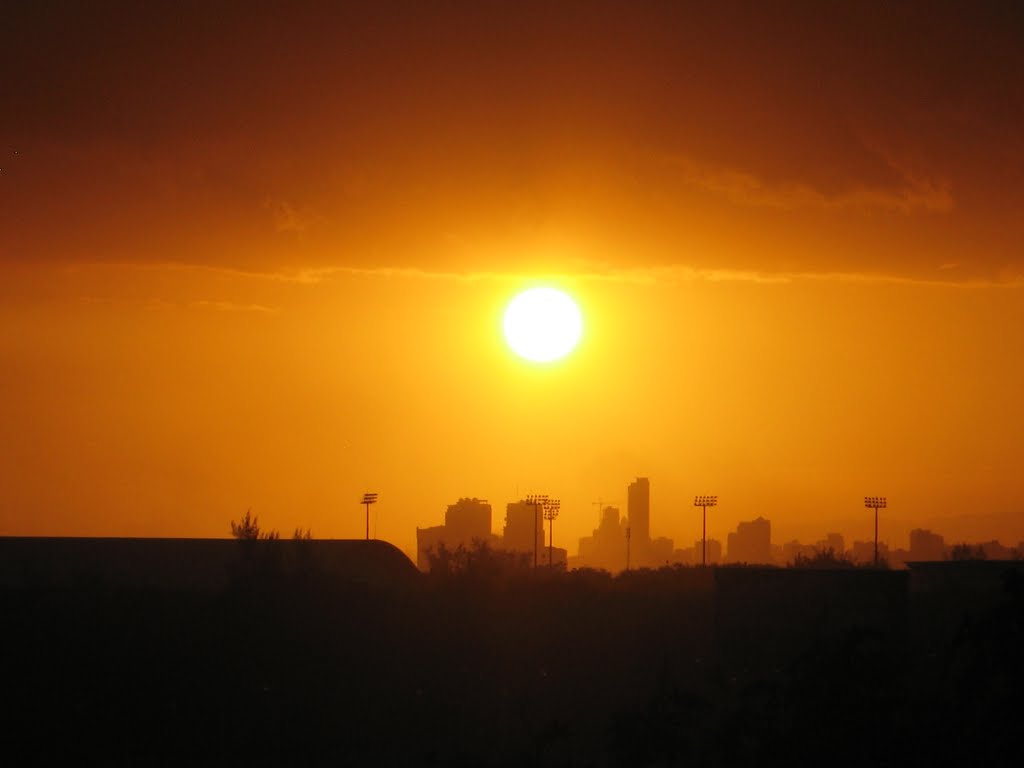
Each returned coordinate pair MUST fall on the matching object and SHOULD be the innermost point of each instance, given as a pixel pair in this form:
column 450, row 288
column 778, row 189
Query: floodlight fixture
column 704, row 502
column 368, row 499
column 551, row 510
column 876, row 503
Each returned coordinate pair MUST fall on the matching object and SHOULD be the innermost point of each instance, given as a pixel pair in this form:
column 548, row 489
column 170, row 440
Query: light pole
column 876, row 503
column 550, row 513
column 537, row 501
column 368, row 499
column 704, row 502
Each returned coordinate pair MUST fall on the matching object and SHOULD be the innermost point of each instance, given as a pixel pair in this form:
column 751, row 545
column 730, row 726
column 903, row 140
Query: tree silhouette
column 248, row 529
column 826, row 558
column 480, row 561
column 965, row 551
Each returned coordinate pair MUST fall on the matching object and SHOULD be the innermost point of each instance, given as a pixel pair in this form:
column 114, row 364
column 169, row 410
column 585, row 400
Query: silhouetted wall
column 194, row 563
column 961, row 576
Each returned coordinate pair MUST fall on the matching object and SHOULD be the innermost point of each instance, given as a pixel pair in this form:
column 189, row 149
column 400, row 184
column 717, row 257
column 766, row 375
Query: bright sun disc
column 542, row 324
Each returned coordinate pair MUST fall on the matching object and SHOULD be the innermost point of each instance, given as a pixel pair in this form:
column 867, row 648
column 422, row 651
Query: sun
column 543, row 324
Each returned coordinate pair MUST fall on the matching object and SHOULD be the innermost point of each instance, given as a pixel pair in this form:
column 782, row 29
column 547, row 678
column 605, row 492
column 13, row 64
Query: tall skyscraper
column 638, row 511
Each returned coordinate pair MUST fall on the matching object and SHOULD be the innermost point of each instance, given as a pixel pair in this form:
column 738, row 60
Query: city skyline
column 619, row 538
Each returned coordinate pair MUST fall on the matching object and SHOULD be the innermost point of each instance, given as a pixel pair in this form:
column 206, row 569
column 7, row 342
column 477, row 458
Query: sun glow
column 542, row 325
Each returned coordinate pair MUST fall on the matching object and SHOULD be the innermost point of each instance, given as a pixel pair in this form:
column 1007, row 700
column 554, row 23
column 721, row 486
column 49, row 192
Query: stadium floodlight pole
column 550, row 513
column 537, row 501
column 704, row 502
column 875, row 503
column 368, row 499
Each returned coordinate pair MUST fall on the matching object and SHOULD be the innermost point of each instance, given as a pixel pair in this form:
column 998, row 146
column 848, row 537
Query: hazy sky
column 256, row 254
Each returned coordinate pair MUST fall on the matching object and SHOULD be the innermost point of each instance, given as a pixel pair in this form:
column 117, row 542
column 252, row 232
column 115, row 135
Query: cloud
column 228, row 306
column 303, row 275
column 677, row 275
column 586, row 271
column 914, row 193
column 638, row 276
column 158, row 304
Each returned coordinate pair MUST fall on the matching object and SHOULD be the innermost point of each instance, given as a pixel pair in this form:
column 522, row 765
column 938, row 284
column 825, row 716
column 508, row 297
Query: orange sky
column 258, row 257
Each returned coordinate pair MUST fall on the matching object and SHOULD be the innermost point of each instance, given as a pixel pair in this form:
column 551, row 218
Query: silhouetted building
column 638, row 510
column 428, row 540
column 714, row 551
column 660, row 552
column 864, row 551
column 523, row 521
column 751, row 542
column 995, row 551
column 792, row 550
column 468, row 519
column 833, row 541
column 559, row 557
column 606, row 548
column 925, row 545
column 466, row 523
column 692, row 555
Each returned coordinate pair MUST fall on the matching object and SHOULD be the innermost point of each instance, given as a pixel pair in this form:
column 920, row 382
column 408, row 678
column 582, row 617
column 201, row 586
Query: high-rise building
column 606, row 548
column 638, row 511
column 523, row 521
column 468, row 519
column 751, row 542
column 467, row 523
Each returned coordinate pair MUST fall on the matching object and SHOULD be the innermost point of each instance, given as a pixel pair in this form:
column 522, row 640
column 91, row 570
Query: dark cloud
column 881, row 138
